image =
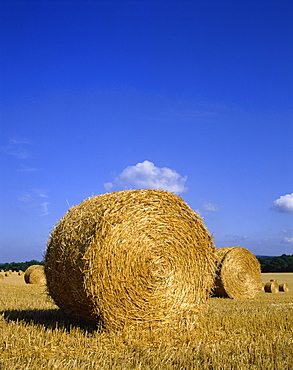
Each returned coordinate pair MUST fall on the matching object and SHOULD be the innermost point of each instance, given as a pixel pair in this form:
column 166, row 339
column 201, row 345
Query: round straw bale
column 35, row 275
column 7, row 273
column 273, row 280
column 130, row 257
column 238, row 273
column 271, row 287
column 283, row 287
column 1, row 276
column 20, row 272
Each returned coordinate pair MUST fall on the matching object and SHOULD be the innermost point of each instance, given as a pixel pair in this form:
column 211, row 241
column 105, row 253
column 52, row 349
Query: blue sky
column 193, row 97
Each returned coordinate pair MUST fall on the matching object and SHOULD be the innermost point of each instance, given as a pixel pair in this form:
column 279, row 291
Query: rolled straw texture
column 283, row 287
column 133, row 257
column 35, row 274
column 272, row 287
column 238, row 273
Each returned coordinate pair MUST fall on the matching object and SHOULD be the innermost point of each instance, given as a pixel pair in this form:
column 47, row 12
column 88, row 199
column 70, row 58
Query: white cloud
column 44, row 207
column 210, row 207
column 16, row 148
column 18, row 141
column 236, row 237
column 42, row 193
column 146, row 175
column 287, row 241
column 285, row 231
column 28, row 169
column 284, row 204
column 34, row 200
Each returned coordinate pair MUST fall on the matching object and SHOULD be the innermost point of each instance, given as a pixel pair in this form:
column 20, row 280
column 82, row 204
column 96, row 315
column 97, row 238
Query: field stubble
column 231, row 334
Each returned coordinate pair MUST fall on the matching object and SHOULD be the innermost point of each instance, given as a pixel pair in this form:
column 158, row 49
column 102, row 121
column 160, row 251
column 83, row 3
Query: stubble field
column 230, row 334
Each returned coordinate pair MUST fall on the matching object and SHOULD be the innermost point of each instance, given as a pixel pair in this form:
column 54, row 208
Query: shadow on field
column 49, row 319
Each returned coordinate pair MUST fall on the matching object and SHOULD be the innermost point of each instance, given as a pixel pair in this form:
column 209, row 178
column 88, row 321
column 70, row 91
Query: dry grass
column 231, row 335
column 134, row 257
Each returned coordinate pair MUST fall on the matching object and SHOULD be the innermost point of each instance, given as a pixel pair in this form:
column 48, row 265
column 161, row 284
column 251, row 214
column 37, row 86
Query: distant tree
column 16, row 266
column 283, row 263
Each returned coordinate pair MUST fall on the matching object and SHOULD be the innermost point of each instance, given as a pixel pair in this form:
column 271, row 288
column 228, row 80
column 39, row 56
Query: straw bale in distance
column 283, row 287
column 238, row 273
column 271, row 287
column 130, row 257
column 35, row 275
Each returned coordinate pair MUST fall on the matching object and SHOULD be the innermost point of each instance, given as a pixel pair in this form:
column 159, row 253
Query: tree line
column 16, row 266
column 283, row 263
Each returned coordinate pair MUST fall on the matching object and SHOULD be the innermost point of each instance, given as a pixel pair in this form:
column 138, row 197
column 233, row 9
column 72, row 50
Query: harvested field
column 232, row 334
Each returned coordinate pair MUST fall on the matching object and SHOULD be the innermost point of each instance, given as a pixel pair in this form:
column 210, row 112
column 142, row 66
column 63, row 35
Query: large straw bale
column 35, row 274
column 283, row 287
column 238, row 273
column 133, row 257
column 271, row 287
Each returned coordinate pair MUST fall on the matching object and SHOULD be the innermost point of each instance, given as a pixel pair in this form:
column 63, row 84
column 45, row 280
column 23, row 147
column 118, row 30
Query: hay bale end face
column 35, row 275
column 133, row 257
column 283, row 287
column 237, row 275
column 271, row 287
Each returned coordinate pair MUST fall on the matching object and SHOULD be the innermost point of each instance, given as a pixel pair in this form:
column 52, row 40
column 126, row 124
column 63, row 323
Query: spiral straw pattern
column 238, row 273
column 130, row 257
